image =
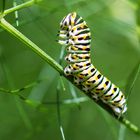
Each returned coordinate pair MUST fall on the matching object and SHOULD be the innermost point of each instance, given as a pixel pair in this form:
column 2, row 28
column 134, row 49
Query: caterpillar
column 76, row 36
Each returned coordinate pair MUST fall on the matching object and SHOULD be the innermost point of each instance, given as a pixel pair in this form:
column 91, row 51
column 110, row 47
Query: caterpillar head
column 68, row 22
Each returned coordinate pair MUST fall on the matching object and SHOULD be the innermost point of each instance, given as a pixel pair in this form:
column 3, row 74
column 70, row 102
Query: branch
column 16, row 91
column 18, row 7
column 9, row 28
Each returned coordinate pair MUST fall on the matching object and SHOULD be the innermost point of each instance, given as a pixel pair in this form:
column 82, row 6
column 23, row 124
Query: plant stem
column 9, row 28
column 130, row 125
column 18, row 7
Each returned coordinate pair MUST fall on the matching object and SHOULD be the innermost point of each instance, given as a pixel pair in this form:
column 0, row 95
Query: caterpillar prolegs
column 76, row 36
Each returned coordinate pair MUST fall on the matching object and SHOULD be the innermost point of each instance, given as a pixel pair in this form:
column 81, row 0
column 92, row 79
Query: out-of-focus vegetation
column 115, row 27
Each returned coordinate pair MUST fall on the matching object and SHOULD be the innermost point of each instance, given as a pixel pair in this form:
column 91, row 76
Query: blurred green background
column 115, row 28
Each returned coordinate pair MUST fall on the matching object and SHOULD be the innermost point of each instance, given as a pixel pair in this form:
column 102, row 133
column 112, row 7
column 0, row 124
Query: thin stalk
column 15, row 91
column 18, row 7
column 12, row 30
column 133, row 82
column 58, row 111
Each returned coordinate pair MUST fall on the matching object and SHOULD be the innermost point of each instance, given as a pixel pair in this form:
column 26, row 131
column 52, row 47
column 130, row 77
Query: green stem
column 130, row 125
column 8, row 27
column 16, row 91
column 18, row 7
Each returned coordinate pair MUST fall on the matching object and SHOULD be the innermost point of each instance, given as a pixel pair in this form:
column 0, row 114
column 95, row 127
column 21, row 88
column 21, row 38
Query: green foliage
column 115, row 52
